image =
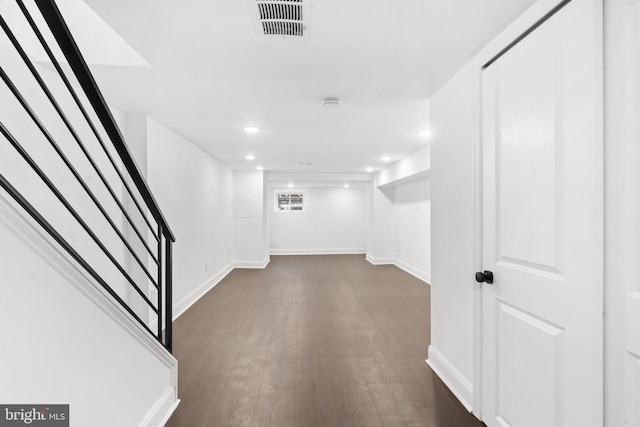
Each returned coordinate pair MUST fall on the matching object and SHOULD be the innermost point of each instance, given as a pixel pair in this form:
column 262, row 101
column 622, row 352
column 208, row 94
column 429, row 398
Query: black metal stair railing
column 121, row 198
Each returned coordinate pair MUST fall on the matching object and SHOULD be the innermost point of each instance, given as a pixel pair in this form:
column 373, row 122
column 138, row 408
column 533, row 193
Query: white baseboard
column 253, row 264
column 379, row 261
column 458, row 385
column 162, row 410
column 186, row 302
column 347, row 251
column 420, row 274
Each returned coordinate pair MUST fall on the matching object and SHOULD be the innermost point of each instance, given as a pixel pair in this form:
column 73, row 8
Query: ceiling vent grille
column 280, row 11
column 282, row 28
column 285, row 18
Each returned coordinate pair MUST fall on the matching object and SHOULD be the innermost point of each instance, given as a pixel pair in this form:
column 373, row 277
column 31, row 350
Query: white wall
column 399, row 226
column 249, row 221
column 382, row 235
column 195, row 193
column 452, row 231
column 412, row 205
column 333, row 221
column 16, row 170
column 65, row 342
column 134, row 129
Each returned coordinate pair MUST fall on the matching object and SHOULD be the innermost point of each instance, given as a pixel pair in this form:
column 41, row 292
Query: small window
column 289, row 202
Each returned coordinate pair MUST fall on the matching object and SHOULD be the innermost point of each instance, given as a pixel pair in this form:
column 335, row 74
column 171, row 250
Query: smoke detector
column 283, row 18
column 331, row 102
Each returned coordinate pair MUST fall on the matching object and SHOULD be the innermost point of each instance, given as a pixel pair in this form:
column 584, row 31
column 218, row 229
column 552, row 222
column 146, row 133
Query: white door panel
column 527, row 220
column 521, row 336
column 542, row 231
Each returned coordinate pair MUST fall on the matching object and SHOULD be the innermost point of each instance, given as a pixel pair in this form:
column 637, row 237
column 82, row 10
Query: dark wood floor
column 311, row 341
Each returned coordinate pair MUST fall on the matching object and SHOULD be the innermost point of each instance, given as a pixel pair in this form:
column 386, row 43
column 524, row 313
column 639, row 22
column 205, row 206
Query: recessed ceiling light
column 251, row 129
column 346, row 186
column 290, row 185
column 369, row 169
column 424, row 133
column 331, row 102
column 386, row 158
column 260, row 168
column 250, row 157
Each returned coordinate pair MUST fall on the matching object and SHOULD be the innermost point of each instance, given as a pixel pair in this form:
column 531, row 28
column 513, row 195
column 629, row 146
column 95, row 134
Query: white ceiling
column 212, row 74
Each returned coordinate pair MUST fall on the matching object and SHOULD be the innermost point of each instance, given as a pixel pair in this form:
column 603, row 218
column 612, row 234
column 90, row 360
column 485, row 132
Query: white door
column 542, row 226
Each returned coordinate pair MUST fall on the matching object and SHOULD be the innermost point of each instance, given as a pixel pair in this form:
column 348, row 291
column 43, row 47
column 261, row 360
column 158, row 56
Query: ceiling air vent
column 284, row 18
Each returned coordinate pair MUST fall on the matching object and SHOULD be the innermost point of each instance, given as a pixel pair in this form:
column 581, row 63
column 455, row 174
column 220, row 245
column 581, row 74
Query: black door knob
column 484, row 276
